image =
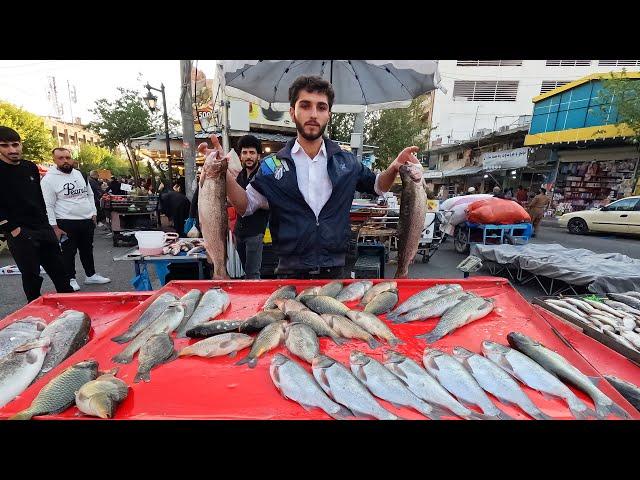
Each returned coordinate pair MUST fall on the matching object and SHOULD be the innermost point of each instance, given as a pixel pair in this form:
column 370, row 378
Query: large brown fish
column 212, row 209
column 413, row 209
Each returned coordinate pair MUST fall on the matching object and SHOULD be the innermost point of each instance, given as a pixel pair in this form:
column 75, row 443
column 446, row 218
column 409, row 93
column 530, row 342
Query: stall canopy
column 462, row 172
column 505, row 159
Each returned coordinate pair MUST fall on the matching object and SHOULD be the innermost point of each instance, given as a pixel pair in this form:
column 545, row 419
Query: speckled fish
column 433, row 308
column 165, row 323
column 301, row 340
column 213, row 303
column 20, row 367
column 376, row 289
column 383, row 302
column 295, row 383
column 374, row 326
column 385, row 385
column 354, row 291
column 426, row 387
column 457, row 379
column 324, row 304
column 308, row 291
column 534, row 376
column 68, row 333
column 559, row 366
column 288, row 291
column 20, row 332
column 260, row 320
column 224, row 344
column 348, row 329
column 287, row 305
column 60, row 393
column 628, row 390
column 212, row 209
column 190, row 301
column 152, row 312
column 316, row 322
column 419, row 299
column 269, row 338
column 497, row 382
column 331, row 289
column 101, row 397
column 339, row 383
column 214, row 327
column 465, row 312
column 156, row 351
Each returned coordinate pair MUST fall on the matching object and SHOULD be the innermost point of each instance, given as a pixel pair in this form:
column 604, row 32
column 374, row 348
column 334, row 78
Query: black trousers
column 322, row 273
column 80, row 233
column 35, row 247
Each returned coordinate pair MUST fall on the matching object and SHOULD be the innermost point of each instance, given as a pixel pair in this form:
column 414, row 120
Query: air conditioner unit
column 504, row 128
column 482, row 132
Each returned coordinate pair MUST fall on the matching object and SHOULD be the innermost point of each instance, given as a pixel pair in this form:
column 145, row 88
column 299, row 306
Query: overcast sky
column 25, row 82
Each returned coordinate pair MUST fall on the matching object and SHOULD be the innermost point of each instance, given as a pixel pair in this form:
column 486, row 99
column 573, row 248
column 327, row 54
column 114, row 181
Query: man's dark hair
column 9, row 135
column 542, row 190
column 249, row 141
column 311, row 84
column 53, row 152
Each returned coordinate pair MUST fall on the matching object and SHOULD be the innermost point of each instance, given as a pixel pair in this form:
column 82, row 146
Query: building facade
column 490, row 95
column 70, row 135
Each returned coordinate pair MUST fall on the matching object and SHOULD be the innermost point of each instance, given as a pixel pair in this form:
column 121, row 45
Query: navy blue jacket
column 300, row 241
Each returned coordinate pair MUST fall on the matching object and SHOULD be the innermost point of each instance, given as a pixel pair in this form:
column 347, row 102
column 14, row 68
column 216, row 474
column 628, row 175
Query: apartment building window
column 548, row 85
column 460, row 155
column 568, row 63
column 618, row 63
column 489, row 63
column 485, row 91
column 445, row 158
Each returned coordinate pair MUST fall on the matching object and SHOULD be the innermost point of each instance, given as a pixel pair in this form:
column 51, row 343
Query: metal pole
column 474, row 122
column 358, row 127
column 188, row 129
column 225, row 109
column 70, row 103
column 166, row 129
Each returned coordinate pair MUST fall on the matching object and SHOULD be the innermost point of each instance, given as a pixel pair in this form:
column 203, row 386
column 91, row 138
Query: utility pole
column 473, row 130
column 188, row 129
column 225, row 109
column 72, row 99
column 357, row 137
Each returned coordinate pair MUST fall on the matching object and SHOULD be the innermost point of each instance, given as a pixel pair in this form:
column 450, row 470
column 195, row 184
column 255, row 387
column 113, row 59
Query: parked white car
column 621, row 216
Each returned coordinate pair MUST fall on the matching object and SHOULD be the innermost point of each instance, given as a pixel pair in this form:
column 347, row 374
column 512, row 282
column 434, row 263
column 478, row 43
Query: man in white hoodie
column 72, row 214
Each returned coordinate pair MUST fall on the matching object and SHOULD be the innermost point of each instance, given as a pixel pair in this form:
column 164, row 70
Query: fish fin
column 121, row 338
column 595, row 380
column 343, row 413
column 603, row 411
column 357, row 413
column 373, row 343
column 394, row 341
column 171, row 357
column 225, row 343
column 122, row 358
column 339, row 340
column 547, row 396
column 244, row 360
column 233, row 354
column 391, row 315
column 397, row 371
column 324, row 382
column 144, row 376
column 434, row 413
column 360, row 375
column 430, row 337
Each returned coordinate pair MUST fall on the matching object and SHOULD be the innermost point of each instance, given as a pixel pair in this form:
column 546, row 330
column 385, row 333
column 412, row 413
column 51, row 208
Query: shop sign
column 505, row 159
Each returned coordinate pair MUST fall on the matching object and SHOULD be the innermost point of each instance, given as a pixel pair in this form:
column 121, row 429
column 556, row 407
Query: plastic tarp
column 602, row 272
column 216, row 388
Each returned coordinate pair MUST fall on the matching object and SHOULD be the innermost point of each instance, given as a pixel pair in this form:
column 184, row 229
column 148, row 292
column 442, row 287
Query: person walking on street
column 308, row 187
column 72, row 214
column 23, row 219
column 521, row 195
column 96, row 188
column 537, row 208
column 249, row 230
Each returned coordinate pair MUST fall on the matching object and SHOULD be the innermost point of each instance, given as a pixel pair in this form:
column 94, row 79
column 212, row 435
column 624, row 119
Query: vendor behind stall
column 308, row 186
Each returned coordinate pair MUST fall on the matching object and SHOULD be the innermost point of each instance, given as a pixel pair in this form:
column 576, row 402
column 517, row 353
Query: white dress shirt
column 313, row 181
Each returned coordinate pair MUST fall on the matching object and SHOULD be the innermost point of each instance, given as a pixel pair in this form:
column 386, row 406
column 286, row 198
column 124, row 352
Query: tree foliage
column 37, row 141
column 624, row 95
column 93, row 157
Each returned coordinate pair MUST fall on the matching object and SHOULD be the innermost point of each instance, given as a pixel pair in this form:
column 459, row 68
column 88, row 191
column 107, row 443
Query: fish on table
column 101, row 397
column 20, row 367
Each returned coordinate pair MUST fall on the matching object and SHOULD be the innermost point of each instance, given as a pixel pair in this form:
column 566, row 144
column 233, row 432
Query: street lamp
column 151, row 100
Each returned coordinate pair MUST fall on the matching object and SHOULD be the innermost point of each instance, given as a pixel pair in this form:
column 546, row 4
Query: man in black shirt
column 23, row 219
column 249, row 231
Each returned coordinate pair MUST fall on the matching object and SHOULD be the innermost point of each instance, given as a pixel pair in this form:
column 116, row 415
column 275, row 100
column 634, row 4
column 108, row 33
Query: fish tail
column 144, row 376
column 122, row 357
column 252, row 361
column 393, row 341
column 124, row 338
column 604, row 410
column 432, row 412
column 338, row 340
column 373, row 343
column 582, row 413
column 430, row 337
column 391, row 315
column 540, row 415
column 343, row 413
column 503, row 416
column 23, row 415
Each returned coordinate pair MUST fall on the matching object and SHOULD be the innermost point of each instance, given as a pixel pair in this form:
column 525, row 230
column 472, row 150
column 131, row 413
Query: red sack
column 496, row 211
column 233, row 217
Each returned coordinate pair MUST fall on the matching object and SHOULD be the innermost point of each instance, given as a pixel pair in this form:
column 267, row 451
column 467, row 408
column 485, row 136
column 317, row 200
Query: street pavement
column 441, row 265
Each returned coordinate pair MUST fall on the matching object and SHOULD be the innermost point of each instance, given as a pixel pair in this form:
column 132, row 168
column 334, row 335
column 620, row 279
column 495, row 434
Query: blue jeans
column 250, row 252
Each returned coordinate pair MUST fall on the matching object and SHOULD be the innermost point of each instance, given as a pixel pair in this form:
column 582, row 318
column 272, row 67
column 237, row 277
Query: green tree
column 342, row 126
column 393, row 130
column 36, row 139
column 93, row 157
column 623, row 94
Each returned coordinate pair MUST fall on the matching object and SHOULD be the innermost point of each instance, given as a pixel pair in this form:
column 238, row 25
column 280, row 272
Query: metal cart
column 127, row 214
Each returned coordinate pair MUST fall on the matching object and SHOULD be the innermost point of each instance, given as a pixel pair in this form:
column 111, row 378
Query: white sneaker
column 74, row 284
column 95, row 278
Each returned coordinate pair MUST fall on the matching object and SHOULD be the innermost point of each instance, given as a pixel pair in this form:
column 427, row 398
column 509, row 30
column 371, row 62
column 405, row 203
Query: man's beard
column 307, row 137
column 66, row 168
